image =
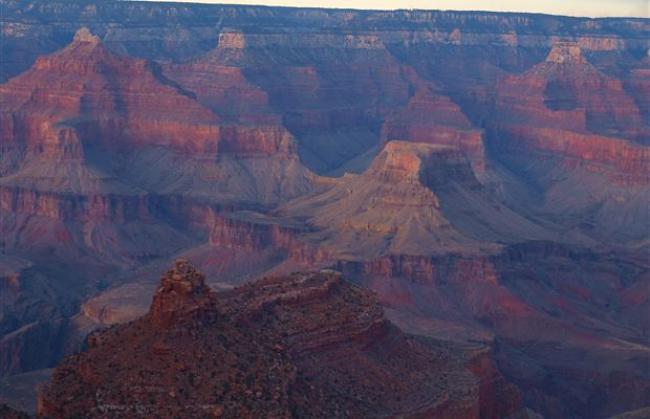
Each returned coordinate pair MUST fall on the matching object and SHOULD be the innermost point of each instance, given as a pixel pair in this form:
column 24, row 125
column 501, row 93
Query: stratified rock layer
column 87, row 95
column 565, row 96
column 308, row 345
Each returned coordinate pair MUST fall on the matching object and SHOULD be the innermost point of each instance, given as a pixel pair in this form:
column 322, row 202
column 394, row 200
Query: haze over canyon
column 366, row 213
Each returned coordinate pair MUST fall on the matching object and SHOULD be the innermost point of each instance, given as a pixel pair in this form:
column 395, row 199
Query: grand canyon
column 246, row 211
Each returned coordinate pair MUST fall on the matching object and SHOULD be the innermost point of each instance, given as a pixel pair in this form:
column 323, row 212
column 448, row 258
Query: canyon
column 474, row 184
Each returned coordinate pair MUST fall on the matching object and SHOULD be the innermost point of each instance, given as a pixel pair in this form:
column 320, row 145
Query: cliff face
column 342, row 80
column 523, row 297
column 414, row 199
column 574, row 131
column 282, row 347
column 87, row 120
column 86, row 93
column 566, row 92
column 431, row 117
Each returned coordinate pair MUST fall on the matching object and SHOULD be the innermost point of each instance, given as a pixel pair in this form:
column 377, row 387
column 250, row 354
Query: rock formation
column 567, row 92
column 395, row 207
column 431, row 117
column 85, row 95
column 308, row 345
column 574, row 131
column 67, row 122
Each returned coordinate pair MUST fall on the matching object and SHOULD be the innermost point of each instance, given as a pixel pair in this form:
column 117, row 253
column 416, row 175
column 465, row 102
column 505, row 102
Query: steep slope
column 221, row 84
column 578, row 138
column 60, row 122
column 564, row 312
column 638, row 85
column 309, row 345
column 567, row 92
column 84, row 95
column 431, row 117
column 394, row 207
column 69, row 121
column 332, row 90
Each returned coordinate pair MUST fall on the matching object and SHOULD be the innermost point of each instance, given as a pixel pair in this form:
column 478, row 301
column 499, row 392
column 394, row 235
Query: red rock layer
column 639, row 87
column 496, row 394
column 86, row 93
column 548, row 321
column 566, row 91
column 250, row 125
column 225, row 90
column 74, row 207
column 229, row 232
column 623, row 162
column 257, row 140
column 308, row 345
column 251, row 235
column 394, row 207
column 430, row 117
column 342, row 89
column 334, row 101
column 565, row 107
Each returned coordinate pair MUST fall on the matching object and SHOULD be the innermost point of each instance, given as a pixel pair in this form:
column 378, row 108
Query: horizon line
column 282, row 4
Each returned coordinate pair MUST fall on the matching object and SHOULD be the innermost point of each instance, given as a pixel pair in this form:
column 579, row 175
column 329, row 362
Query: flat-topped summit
column 403, row 160
column 566, row 53
column 394, row 207
column 231, row 39
column 84, row 35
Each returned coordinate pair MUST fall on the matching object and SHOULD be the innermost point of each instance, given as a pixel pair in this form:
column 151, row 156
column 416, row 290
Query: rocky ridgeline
column 306, row 345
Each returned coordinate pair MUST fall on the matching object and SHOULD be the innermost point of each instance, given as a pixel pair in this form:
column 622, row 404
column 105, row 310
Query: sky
column 591, row 8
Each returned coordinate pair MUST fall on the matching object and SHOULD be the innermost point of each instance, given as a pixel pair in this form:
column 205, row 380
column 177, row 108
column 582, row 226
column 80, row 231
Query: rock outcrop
column 387, row 205
column 182, row 294
column 406, row 203
column 308, row 345
column 85, row 120
column 567, row 53
column 511, row 297
column 571, row 130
